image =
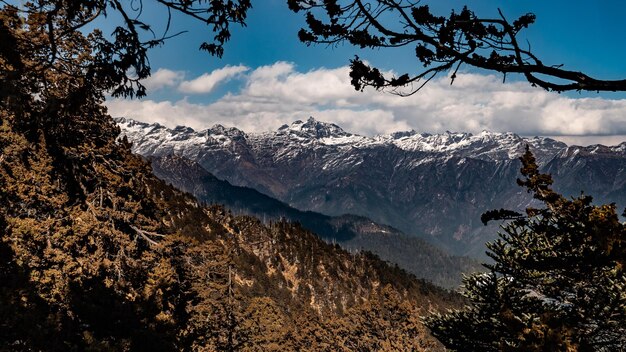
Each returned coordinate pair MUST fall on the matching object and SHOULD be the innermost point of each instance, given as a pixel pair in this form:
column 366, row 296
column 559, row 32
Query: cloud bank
column 208, row 81
column 277, row 94
column 163, row 78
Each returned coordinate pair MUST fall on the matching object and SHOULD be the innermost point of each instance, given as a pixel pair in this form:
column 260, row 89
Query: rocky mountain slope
column 354, row 233
column 435, row 186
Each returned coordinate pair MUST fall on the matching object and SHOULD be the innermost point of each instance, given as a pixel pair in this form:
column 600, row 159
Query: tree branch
column 144, row 234
column 461, row 38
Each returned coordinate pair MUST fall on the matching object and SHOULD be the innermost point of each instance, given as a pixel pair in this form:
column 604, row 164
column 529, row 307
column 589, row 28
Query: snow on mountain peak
column 317, row 134
column 404, row 134
column 313, row 128
column 229, row 132
column 485, row 145
column 183, row 129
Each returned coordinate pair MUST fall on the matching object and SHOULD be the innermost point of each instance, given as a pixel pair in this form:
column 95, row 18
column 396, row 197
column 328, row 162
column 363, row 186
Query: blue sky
column 267, row 78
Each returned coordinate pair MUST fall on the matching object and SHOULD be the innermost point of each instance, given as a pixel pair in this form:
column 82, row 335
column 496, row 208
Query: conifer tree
column 557, row 282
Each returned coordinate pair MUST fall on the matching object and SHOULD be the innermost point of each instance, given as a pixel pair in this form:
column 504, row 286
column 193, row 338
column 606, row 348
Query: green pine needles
column 557, row 282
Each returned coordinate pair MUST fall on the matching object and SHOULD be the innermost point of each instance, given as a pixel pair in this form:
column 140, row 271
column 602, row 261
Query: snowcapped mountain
column 316, row 134
column 433, row 185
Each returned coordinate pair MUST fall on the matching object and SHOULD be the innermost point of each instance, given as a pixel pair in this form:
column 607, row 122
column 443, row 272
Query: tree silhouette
column 557, row 282
column 441, row 43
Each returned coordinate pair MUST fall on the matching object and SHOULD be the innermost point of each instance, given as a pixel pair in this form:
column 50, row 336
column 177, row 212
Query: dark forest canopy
column 442, row 43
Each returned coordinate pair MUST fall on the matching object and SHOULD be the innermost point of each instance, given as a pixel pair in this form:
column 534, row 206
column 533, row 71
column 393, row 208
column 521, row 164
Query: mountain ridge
column 332, row 134
column 431, row 185
column 352, row 232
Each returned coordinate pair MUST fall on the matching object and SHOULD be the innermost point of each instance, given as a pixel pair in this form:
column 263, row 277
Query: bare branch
column 144, row 234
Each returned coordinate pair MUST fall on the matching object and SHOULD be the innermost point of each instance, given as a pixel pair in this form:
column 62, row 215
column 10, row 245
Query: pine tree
column 557, row 282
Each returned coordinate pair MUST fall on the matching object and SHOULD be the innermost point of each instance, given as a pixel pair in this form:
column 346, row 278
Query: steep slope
column 99, row 254
column 434, row 186
column 352, row 232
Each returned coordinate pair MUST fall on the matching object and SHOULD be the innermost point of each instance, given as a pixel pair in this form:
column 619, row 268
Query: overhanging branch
column 441, row 42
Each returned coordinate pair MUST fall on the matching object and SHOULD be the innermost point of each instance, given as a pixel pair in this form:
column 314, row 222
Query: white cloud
column 276, row 94
column 163, row 78
column 278, row 69
column 281, row 81
column 208, row 81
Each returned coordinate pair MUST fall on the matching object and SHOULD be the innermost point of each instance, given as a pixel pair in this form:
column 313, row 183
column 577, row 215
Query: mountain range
column 434, row 186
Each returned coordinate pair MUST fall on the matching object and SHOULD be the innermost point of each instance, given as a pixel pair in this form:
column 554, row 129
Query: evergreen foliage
column 557, row 282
